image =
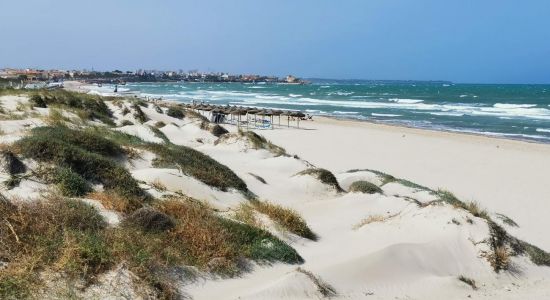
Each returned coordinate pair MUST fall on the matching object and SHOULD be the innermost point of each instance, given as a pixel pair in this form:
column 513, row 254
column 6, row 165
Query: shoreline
column 85, row 87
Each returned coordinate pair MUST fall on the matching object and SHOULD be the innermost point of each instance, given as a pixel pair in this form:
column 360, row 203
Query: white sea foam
column 295, row 95
column 338, row 112
column 450, row 114
column 406, row 101
column 384, row 115
column 507, row 105
column 543, row 130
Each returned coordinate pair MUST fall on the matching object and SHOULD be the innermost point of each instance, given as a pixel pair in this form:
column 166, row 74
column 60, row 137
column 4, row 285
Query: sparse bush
column 286, row 218
column 94, row 106
column 43, row 234
column 468, row 281
column 70, row 183
column 125, row 111
column 158, row 109
column 324, row 288
column 160, row 134
column 323, row 175
column 365, row 187
column 259, row 142
column 218, row 130
column 139, row 114
column 506, row 220
column 126, row 123
column 175, row 112
column 150, row 219
column 198, row 165
column 160, row 124
column 85, row 153
column 260, row 179
column 141, row 102
column 37, row 101
column 10, row 164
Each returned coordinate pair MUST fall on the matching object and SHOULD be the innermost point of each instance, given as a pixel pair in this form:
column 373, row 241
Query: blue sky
column 486, row 41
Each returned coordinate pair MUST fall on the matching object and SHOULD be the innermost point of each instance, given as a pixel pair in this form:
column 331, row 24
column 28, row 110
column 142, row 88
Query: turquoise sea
column 512, row 111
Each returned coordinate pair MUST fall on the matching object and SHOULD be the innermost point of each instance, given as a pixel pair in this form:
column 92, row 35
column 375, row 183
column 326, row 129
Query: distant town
column 20, row 77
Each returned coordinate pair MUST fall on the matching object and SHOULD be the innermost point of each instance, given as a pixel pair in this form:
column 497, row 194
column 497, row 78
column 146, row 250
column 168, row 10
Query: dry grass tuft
column 158, row 185
column 286, row 218
column 114, row 202
column 468, row 281
column 323, row 287
column 370, row 219
column 323, row 175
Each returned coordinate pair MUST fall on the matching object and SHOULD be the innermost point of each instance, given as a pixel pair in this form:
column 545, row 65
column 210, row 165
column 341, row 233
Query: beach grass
column 323, row 175
column 366, row 187
column 287, row 218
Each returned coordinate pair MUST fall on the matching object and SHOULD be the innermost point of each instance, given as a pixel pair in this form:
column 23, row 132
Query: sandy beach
column 504, row 176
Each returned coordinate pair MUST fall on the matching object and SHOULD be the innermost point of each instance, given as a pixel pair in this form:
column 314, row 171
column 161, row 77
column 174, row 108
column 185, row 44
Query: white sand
column 505, row 176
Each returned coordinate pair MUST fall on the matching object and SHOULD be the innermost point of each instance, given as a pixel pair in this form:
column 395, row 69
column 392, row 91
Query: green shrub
column 175, row 112
column 37, row 101
column 323, row 175
column 286, row 218
column 126, row 123
column 94, row 106
column 160, row 124
column 70, row 183
column 259, row 142
column 198, row 165
column 139, row 114
column 365, row 187
column 85, row 153
column 218, row 130
column 150, row 219
column 160, row 134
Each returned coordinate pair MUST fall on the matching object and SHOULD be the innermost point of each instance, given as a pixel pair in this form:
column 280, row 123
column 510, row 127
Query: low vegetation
column 175, row 112
column 365, row 187
column 323, row 175
column 286, row 218
column 468, row 281
column 198, row 165
column 325, row 289
column 87, row 106
column 139, row 114
column 260, row 179
column 71, row 237
column 259, row 142
column 387, row 178
column 86, row 153
column 70, row 183
column 218, row 130
column 52, row 234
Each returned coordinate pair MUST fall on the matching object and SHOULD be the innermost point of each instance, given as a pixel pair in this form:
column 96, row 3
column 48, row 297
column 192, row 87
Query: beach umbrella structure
column 298, row 115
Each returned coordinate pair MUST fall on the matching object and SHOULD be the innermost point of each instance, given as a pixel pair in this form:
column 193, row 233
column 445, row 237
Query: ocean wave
column 385, row 115
column 338, row 112
column 295, row 95
column 507, row 105
column 450, row 114
column 340, row 93
column 405, row 101
column 543, row 130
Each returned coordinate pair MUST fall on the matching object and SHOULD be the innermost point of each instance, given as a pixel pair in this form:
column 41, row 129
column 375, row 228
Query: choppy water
column 513, row 111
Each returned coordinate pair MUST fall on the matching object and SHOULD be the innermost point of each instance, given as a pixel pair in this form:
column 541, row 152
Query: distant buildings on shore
column 117, row 76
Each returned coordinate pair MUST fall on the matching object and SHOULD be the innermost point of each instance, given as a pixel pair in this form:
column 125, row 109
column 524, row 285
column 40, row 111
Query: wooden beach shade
column 253, row 111
column 268, row 113
column 277, row 113
column 298, row 115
